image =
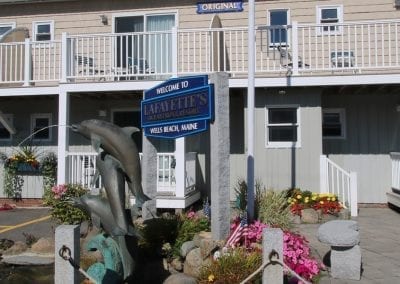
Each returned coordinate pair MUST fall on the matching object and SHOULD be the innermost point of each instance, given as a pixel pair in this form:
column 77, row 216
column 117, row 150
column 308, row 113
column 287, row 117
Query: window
column 333, row 123
column 283, row 126
column 39, row 122
column 5, row 27
column 43, row 31
column 155, row 49
column 278, row 20
column 5, row 135
column 330, row 15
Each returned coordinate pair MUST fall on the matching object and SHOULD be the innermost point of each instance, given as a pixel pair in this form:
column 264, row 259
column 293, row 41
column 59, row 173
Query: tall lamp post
column 250, row 113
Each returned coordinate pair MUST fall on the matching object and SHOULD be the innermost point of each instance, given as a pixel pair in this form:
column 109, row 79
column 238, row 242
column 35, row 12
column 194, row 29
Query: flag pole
column 250, row 113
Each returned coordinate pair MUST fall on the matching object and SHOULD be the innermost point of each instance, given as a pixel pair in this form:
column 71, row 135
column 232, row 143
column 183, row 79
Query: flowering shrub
column 190, row 224
column 59, row 197
column 296, row 251
column 326, row 202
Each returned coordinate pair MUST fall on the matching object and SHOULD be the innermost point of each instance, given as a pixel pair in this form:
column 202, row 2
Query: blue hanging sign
column 176, row 85
column 178, row 107
column 176, row 130
column 219, row 7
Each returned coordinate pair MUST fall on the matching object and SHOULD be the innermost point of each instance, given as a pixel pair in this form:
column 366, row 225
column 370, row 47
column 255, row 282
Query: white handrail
column 336, row 180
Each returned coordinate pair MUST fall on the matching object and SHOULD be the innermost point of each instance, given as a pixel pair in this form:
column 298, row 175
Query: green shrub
column 59, row 198
column 156, row 232
column 189, row 225
column 274, row 209
column 232, row 268
column 241, row 195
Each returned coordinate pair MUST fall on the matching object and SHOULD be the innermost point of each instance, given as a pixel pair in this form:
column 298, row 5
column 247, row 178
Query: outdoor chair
column 286, row 59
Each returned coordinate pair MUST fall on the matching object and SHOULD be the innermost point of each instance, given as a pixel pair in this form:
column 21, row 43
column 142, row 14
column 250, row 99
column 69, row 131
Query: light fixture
column 102, row 113
column 104, row 19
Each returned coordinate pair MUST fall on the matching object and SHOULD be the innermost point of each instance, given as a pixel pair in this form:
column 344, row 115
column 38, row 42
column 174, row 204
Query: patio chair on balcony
column 286, row 59
column 87, row 67
column 341, row 59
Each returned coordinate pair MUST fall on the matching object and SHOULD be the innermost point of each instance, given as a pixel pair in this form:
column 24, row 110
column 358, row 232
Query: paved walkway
column 17, row 222
column 380, row 246
column 379, row 230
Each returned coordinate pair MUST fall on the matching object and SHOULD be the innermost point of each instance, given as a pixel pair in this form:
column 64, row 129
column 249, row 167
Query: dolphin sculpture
column 99, row 208
column 117, row 142
column 113, row 179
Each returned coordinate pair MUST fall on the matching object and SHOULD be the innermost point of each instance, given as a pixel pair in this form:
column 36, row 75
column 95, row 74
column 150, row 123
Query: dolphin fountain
column 118, row 163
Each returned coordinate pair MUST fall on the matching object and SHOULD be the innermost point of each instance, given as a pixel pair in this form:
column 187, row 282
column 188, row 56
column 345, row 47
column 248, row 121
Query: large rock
column 17, row 248
column 310, row 216
column 193, row 263
column 207, row 245
column 180, row 278
column 43, row 246
column 186, row 248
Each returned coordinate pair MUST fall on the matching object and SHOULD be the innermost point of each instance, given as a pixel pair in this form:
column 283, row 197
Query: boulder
column 177, row 264
column 17, row 248
column 193, row 263
column 43, row 246
column 310, row 216
column 186, row 248
column 180, row 278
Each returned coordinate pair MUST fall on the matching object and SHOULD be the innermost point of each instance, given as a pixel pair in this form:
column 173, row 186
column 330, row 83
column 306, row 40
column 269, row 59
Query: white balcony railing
column 82, row 168
column 335, row 180
column 395, row 158
column 352, row 47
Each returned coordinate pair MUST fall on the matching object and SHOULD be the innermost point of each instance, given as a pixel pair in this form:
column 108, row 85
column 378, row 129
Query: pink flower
column 191, row 214
column 59, row 190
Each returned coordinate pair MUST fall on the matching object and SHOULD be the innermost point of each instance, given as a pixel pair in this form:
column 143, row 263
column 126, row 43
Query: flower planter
column 27, row 169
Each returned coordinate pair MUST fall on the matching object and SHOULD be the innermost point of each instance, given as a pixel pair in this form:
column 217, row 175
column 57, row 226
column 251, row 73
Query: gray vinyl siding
column 373, row 130
column 282, row 168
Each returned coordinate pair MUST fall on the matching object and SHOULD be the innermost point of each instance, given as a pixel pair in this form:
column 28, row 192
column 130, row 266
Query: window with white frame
column 330, row 17
column 282, row 126
column 5, row 27
column 43, row 31
column 278, row 20
column 5, row 135
column 39, row 126
column 333, row 123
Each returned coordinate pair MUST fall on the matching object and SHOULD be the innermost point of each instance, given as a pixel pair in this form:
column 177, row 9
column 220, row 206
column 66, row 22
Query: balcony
column 301, row 50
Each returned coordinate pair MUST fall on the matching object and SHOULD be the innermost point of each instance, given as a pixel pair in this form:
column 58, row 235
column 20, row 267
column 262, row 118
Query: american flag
column 238, row 233
column 207, row 209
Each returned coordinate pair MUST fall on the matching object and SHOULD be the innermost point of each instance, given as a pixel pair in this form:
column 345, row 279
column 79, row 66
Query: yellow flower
column 329, row 199
column 306, row 201
column 314, row 198
column 321, row 202
column 298, row 196
column 211, row 278
column 333, row 199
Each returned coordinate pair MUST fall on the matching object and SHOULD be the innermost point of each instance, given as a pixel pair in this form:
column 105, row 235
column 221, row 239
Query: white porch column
column 27, row 63
column 180, row 168
column 295, row 49
column 353, row 194
column 63, row 137
column 64, row 57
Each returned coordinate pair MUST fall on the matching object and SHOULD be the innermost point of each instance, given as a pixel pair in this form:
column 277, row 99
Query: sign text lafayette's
column 178, row 107
column 188, row 105
column 219, row 7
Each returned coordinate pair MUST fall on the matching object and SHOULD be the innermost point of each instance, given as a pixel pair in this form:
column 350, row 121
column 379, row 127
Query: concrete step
column 393, row 198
